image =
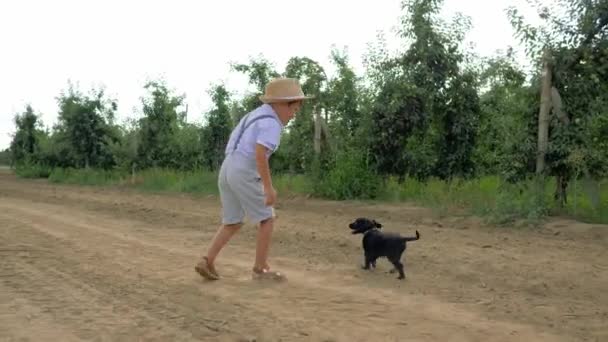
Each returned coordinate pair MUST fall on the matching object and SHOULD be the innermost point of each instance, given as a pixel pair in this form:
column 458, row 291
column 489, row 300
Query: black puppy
column 378, row 244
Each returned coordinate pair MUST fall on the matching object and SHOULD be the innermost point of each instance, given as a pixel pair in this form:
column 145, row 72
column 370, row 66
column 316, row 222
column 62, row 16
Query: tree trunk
column 543, row 114
column 556, row 102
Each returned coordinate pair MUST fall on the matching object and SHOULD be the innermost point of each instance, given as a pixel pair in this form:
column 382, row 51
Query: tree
column 25, row 145
column 259, row 71
column 508, row 108
column 125, row 148
column 216, row 132
column 420, row 123
column 458, row 128
column 342, row 100
column 84, row 126
column 574, row 37
column 159, row 126
column 299, row 142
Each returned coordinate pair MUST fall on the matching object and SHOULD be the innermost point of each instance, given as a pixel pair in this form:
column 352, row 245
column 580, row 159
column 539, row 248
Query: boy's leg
column 206, row 267
column 263, row 244
column 252, row 198
column 221, row 238
column 232, row 220
column 248, row 187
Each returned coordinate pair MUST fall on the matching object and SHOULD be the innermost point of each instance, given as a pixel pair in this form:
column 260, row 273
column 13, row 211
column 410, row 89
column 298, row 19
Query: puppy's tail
column 406, row 239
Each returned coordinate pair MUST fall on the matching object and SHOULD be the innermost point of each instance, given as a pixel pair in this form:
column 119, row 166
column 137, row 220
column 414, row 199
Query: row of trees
column 432, row 110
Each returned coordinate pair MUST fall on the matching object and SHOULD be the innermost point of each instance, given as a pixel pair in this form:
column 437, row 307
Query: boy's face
column 287, row 110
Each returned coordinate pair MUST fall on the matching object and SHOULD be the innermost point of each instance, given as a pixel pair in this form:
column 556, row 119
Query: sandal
column 206, row 270
column 266, row 274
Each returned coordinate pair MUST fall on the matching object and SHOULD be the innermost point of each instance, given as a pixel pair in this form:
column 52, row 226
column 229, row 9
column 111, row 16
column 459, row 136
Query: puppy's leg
column 368, row 261
column 398, row 266
column 401, row 271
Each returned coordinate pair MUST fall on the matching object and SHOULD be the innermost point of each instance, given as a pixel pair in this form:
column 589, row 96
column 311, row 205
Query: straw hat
column 283, row 90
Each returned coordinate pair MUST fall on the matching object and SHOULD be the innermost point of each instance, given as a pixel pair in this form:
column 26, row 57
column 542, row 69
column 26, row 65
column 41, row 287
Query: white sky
column 121, row 44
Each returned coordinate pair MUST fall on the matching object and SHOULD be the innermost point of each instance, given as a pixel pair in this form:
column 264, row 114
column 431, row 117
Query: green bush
column 32, row 171
column 285, row 183
column 498, row 201
column 349, row 177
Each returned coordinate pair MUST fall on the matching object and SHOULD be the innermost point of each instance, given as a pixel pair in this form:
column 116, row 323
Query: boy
column 244, row 180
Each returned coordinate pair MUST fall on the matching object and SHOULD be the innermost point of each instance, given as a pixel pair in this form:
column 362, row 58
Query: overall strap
column 247, row 124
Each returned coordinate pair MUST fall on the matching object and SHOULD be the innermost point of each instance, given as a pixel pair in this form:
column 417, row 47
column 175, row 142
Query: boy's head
column 286, row 110
column 285, row 95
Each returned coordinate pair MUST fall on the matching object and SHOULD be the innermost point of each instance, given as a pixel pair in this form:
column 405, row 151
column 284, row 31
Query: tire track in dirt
column 77, row 286
column 383, row 311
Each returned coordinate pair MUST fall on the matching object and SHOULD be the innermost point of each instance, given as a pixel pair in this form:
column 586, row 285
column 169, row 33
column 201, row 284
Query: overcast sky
column 121, row 44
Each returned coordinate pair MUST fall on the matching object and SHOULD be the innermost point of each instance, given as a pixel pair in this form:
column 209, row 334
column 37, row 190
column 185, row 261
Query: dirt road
column 80, row 263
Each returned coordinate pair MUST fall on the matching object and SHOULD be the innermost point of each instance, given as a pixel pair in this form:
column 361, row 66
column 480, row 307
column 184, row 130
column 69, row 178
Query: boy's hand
column 271, row 196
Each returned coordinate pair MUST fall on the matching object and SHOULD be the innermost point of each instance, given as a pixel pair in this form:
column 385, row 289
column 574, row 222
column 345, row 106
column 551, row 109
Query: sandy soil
column 82, row 263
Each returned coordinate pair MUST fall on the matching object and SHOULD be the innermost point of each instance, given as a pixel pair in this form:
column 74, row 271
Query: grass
column 165, row 180
column 500, row 202
column 489, row 197
column 85, row 177
column 162, row 180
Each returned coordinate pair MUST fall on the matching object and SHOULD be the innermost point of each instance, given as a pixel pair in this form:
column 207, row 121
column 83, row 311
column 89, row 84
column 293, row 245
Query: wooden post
column 543, row 114
column 561, row 185
column 133, row 174
column 317, row 133
column 325, row 131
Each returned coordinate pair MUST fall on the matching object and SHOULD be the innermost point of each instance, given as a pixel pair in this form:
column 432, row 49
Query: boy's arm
column 262, row 165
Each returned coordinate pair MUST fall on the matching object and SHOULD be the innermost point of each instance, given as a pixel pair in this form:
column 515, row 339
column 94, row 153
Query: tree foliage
column 84, row 127
column 158, row 146
column 429, row 109
column 426, row 110
column 25, row 146
column 216, row 132
column 576, row 35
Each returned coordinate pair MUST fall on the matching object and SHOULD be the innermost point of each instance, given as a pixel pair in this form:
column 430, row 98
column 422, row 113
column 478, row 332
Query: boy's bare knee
column 267, row 222
column 234, row 226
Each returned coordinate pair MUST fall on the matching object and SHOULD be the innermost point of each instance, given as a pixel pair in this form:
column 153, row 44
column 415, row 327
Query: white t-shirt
column 265, row 131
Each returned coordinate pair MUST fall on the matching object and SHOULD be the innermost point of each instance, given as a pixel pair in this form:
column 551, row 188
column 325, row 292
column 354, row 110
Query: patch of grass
column 32, row 171
column 587, row 201
column 86, row 176
column 165, row 180
column 292, row 184
column 476, row 194
column 489, row 197
column 500, row 202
